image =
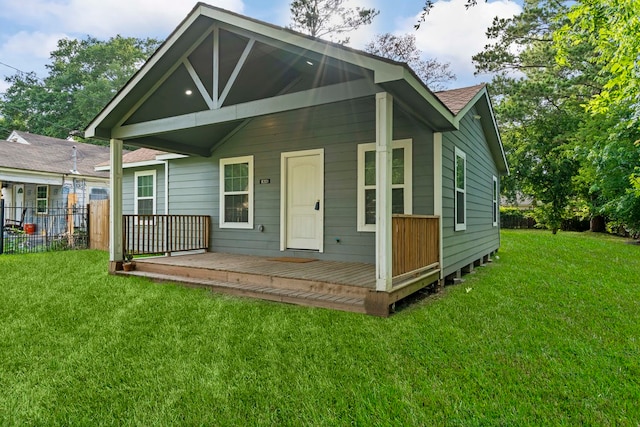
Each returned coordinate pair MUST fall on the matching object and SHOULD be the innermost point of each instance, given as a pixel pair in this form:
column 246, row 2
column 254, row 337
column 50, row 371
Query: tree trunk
column 597, row 224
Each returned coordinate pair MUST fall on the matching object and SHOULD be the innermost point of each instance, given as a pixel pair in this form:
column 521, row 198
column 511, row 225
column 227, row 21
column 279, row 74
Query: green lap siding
column 336, row 128
column 481, row 237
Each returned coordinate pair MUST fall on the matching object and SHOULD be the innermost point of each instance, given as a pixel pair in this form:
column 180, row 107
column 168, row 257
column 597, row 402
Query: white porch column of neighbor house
column 437, row 189
column 115, row 206
column 384, row 135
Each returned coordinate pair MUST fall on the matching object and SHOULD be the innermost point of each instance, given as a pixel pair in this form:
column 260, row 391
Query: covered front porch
column 299, row 279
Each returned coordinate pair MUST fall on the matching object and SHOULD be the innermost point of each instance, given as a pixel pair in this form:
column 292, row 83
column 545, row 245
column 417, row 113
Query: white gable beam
column 198, row 83
column 276, row 104
column 216, row 65
column 236, row 71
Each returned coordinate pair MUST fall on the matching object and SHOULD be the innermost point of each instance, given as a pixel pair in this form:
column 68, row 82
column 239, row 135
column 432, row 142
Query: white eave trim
column 428, row 96
column 160, row 160
column 132, row 165
column 170, row 156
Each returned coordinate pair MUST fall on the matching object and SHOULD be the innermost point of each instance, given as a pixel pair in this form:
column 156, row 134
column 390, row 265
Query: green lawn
column 549, row 334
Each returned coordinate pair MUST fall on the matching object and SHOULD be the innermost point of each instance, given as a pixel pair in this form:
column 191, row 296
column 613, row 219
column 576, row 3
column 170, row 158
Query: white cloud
column 102, row 18
column 27, row 43
column 26, row 51
column 37, row 44
column 452, row 33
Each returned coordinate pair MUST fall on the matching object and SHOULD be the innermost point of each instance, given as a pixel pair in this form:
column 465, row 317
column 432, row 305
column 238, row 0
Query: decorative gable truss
column 229, row 74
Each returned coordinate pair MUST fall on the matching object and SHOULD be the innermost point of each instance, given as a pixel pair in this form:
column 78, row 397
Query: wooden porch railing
column 158, row 234
column 416, row 243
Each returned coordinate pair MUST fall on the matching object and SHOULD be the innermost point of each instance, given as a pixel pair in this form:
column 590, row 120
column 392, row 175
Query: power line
column 21, row 71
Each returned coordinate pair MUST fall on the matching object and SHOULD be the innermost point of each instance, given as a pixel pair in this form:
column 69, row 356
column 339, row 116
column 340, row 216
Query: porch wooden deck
column 329, row 284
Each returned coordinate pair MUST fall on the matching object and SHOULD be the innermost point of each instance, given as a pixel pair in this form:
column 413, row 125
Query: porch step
column 299, row 297
column 254, row 275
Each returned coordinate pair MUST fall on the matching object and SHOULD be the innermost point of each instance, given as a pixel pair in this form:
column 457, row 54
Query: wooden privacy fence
column 416, row 243
column 164, row 234
column 99, row 224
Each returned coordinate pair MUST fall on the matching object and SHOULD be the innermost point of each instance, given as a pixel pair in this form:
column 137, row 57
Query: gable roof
column 462, row 100
column 213, row 110
column 31, row 152
column 458, row 99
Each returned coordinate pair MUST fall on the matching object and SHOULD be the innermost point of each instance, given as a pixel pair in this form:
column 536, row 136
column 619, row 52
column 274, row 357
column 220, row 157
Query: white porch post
column 115, row 206
column 437, row 189
column 384, row 135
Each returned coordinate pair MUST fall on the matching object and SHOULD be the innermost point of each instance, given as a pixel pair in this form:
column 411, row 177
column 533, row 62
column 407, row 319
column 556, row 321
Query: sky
column 30, row 29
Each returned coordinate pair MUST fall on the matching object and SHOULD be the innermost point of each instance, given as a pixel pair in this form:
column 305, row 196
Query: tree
column 83, row 76
column 320, row 18
column 403, row 49
column 612, row 27
column 613, row 131
column 538, row 105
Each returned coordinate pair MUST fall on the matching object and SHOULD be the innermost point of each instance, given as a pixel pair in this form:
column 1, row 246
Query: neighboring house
column 145, row 181
column 278, row 137
column 41, row 172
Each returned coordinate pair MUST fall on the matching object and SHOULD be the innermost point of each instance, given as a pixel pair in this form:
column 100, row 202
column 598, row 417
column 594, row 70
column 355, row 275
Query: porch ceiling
column 198, row 141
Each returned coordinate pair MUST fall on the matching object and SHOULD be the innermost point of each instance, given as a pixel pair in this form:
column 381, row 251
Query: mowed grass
column 548, row 334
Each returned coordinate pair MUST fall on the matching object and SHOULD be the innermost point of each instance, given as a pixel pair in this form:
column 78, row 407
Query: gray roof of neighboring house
column 31, row 152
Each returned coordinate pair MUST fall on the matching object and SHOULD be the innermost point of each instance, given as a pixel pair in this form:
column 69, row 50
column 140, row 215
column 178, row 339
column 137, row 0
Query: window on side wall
column 401, row 182
column 145, row 193
column 236, row 192
column 496, row 205
column 42, row 199
column 460, row 176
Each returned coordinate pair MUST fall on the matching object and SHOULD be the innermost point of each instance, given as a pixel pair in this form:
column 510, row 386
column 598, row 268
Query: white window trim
column 230, row 161
column 408, row 180
column 495, row 207
column 135, row 190
column 457, row 226
column 46, row 199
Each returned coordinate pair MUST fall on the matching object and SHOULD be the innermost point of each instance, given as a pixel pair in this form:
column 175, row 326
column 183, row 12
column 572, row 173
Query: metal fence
column 27, row 229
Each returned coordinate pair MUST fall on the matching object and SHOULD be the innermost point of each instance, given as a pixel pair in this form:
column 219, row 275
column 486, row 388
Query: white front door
column 302, row 200
column 18, row 200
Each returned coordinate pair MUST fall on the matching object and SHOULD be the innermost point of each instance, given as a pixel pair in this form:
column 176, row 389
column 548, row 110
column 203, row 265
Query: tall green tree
column 403, row 49
column 83, row 75
column 329, row 18
column 613, row 128
column 538, row 104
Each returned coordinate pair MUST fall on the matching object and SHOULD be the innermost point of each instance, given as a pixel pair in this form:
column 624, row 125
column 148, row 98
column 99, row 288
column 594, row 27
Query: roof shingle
column 456, row 99
column 52, row 155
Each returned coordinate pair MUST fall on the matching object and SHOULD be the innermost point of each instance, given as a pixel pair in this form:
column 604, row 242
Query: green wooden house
column 280, row 146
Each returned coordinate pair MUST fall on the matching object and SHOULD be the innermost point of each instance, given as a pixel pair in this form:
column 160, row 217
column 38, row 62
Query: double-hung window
column 236, row 192
column 401, row 182
column 42, row 199
column 460, row 202
column 496, row 205
column 145, row 193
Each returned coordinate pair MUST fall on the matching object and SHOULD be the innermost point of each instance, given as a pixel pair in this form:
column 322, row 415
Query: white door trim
column 283, row 193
